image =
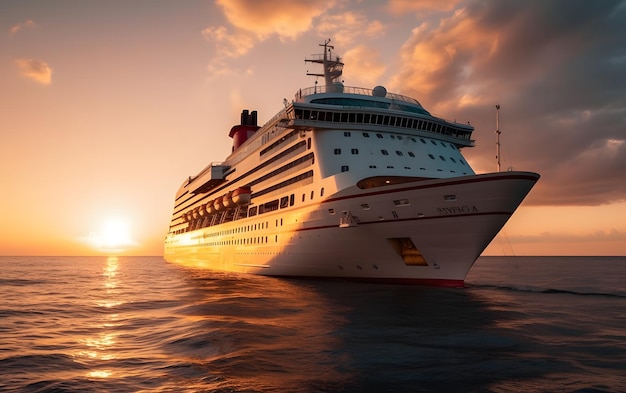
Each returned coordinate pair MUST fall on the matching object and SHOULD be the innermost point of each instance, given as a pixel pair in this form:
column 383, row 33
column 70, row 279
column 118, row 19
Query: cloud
column 364, row 65
column 400, row 7
column 36, row 70
column 229, row 44
column 348, row 27
column 285, row 18
column 556, row 68
column 611, row 235
column 23, row 25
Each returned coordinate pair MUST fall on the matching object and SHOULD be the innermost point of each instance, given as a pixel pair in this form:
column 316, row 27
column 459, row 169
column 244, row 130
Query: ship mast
column 498, row 136
column 333, row 66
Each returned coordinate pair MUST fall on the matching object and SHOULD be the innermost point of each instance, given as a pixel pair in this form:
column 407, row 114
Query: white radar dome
column 379, row 91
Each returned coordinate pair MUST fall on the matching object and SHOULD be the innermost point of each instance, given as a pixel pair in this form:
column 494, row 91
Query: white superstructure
column 348, row 183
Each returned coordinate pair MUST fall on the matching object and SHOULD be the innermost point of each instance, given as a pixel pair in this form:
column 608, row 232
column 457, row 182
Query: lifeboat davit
column 242, row 195
column 227, row 200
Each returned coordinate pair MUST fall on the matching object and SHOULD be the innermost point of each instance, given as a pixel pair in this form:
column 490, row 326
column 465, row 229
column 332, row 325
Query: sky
column 107, row 106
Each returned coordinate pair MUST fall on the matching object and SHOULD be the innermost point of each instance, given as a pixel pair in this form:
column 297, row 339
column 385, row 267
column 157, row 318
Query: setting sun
column 114, row 236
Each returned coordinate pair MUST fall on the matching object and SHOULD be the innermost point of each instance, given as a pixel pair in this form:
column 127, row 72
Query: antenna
column 498, row 136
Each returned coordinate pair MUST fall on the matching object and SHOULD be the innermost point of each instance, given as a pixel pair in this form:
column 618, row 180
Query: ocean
column 139, row 324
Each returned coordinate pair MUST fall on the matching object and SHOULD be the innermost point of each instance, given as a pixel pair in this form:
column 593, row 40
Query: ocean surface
column 139, row 324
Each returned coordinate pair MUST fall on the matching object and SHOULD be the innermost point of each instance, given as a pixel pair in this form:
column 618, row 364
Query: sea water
column 139, row 324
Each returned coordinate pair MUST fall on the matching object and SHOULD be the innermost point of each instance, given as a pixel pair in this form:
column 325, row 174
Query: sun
column 114, row 235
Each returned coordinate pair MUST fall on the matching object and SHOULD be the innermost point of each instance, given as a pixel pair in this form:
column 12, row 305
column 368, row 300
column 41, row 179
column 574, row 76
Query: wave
column 526, row 288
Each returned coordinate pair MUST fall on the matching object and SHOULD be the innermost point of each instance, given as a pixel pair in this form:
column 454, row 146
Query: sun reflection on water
column 101, row 347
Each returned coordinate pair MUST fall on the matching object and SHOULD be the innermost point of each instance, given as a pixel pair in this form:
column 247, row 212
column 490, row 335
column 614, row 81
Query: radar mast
column 333, row 66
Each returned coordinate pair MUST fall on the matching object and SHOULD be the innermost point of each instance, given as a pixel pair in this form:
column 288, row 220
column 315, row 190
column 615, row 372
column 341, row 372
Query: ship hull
column 427, row 232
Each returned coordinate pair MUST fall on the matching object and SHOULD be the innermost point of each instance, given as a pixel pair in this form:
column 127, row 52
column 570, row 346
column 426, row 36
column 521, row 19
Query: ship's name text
column 457, row 210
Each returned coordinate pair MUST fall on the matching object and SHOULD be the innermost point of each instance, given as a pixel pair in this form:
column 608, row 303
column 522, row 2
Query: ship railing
column 300, row 94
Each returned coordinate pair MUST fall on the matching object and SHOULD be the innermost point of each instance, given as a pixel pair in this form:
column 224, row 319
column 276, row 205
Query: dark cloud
column 557, row 69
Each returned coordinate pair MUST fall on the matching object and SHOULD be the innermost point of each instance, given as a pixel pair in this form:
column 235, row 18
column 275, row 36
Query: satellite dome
column 379, row 91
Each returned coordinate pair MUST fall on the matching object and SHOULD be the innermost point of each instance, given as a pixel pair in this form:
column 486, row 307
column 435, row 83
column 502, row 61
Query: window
column 423, row 141
column 379, row 136
column 452, row 159
column 398, row 152
column 366, row 135
column 411, row 154
column 431, row 156
column 385, row 152
column 322, row 192
column 355, row 151
column 344, row 168
column 347, row 133
column 337, row 151
column 442, row 158
column 372, row 166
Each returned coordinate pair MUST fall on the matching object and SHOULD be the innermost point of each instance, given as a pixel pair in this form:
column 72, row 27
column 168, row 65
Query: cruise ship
column 346, row 183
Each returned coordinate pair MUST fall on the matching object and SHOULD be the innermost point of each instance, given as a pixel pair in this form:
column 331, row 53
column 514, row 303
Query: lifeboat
column 218, row 205
column 188, row 216
column 184, row 216
column 227, row 200
column 242, row 195
column 202, row 210
column 195, row 213
column 209, row 207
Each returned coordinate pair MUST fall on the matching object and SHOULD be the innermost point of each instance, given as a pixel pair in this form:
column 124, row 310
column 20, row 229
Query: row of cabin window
column 399, row 153
column 399, row 137
column 236, row 242
column 281, row 203
column 387, row 120
column 346, row 168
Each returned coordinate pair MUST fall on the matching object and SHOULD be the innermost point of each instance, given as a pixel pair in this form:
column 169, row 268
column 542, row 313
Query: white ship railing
column 299, row 97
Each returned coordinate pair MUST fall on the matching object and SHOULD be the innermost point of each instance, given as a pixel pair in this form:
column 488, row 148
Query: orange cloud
column 229, row 44
column 286, row 18
column 23, row 25
column 348, row 27
column 364, row 66
column 36, row 70
column 400, row 7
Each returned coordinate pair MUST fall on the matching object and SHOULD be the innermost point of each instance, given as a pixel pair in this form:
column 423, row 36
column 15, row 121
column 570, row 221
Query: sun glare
column 114, row 236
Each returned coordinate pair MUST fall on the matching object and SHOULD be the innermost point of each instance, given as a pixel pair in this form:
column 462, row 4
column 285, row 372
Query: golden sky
column 106, row 107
